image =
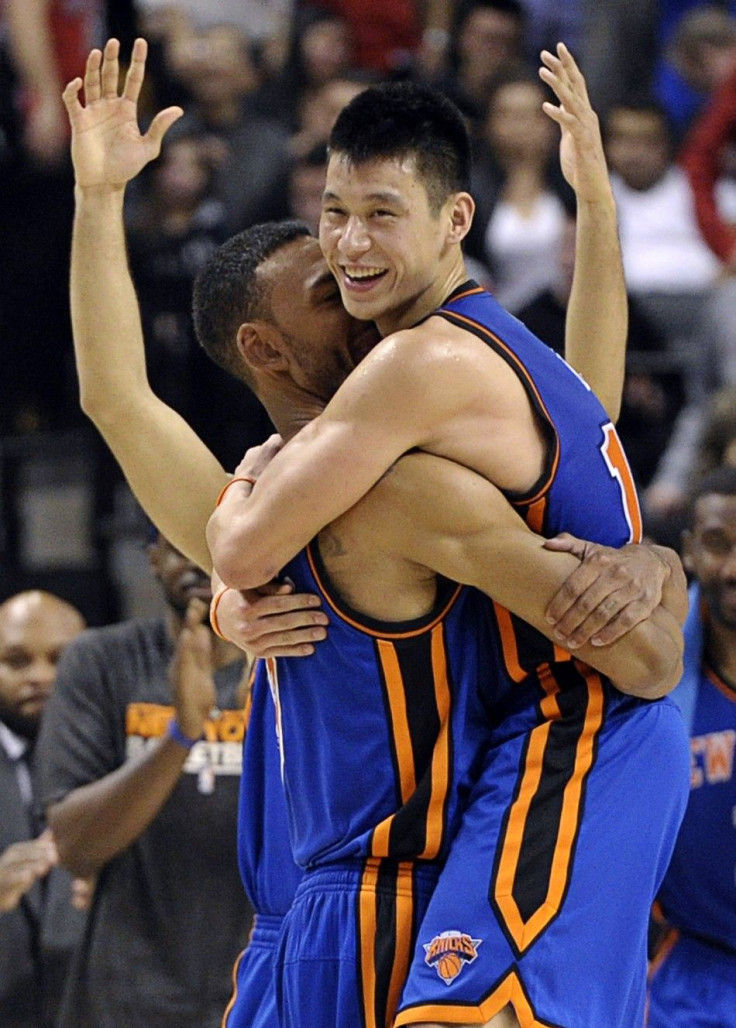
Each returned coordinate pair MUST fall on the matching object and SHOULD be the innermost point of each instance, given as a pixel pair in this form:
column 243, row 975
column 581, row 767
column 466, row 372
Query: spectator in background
column 175, row 223
column 652, row 391
column 320, row 109
column 387, row 34
column 215, row 66
column 520, row 193
column 139, row 763
column 704, row 438
column 668, row 265
column 486, row 42
column 306, row 185
column 693, row 979
column 709, row 160
column 695, row 59
column 39, row 928
column 618, row 47
column 320, row 51
column 43, row 44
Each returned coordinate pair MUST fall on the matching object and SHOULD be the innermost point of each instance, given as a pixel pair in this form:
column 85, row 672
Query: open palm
column 108, row 148
column 582, row 158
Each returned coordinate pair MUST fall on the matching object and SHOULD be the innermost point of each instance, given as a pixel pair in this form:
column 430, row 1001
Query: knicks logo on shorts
column 448, row 953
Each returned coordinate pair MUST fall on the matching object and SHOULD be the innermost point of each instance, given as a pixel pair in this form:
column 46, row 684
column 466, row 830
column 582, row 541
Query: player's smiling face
column 307, row 311
column 381, row 239
column 710, row 554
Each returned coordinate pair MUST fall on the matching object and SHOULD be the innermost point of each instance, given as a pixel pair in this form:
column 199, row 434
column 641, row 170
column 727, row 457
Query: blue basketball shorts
column 693, row 985
column 347, row 942
column 544, row 902
column 253, row 1003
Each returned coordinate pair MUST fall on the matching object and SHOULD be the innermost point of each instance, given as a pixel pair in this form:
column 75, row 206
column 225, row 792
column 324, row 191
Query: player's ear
column 260, row 346
column 461, row 211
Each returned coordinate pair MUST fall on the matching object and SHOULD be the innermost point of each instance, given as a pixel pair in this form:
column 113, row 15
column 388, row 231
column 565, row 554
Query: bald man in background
column 38, row 924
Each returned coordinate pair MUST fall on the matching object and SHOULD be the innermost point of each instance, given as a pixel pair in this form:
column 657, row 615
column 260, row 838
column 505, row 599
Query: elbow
column 653, row 678
column 72, row 846
column 237, row 573
column 238, row 559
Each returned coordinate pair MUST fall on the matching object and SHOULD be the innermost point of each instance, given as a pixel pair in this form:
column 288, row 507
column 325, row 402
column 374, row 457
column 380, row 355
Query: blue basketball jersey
column 698, row 895
column 381, row 728
column 268, row 871
column 586, row 487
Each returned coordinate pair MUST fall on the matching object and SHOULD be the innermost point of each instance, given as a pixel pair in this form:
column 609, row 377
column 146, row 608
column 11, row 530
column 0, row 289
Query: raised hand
column 108, row 148
column 581, row 147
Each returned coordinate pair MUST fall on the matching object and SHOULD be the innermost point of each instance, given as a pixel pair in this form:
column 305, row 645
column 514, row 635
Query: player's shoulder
column 435, row 345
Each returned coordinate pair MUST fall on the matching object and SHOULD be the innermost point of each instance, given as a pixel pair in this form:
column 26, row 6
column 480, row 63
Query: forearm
column 172, row 473
column 597, row 312
column 96, row 822
column 258, row 528
column 104, row 307
column 646, row 662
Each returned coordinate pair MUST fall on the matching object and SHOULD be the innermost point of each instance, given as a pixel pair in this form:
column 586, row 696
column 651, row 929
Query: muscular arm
column 400, row 397
column 387, row 407
column 174, row 476
column 472, row 535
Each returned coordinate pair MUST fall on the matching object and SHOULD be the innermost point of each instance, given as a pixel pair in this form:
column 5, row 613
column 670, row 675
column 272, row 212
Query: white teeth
column 363, row 272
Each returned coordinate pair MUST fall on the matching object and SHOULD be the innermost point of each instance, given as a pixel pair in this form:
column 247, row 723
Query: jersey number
column 618, row 466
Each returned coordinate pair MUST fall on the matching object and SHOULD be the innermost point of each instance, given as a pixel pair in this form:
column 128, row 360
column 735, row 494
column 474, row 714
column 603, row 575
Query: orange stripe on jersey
column 715, row 679
column 367, row 935
column 399, row 720
column 383, row 632
column 404, row 936
column 508, row 643
column 534, row 514
column 510, row 992
column 513, row 358
column 441, row 753
column 468, row 292
column 525, row 927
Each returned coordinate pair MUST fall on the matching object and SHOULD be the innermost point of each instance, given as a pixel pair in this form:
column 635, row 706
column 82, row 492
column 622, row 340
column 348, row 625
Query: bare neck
column 422, row 305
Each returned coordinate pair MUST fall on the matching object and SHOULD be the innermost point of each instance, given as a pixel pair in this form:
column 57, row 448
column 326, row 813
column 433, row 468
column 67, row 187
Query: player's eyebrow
column 388, row 197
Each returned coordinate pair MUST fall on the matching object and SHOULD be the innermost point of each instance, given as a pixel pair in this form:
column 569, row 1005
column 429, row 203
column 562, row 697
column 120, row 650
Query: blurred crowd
column 261, row 82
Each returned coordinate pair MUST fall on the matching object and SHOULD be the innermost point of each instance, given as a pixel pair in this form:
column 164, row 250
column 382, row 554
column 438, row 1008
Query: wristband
column 214, row 604
column 236, row 478
column 175, row 733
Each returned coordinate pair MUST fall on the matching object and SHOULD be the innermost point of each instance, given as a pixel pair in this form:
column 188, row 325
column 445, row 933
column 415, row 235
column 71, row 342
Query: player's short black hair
column 396, row 120
column 721, row 482
column 227, row 292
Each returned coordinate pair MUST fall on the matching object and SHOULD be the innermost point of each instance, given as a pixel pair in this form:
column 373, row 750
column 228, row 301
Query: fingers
column 561, row 73
column 566, row 543
column 161, row 125
column 92, row 84
column 136, row 71
column 70, row 96
column 110, row 76
column 277, row 625
column 589, row 598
